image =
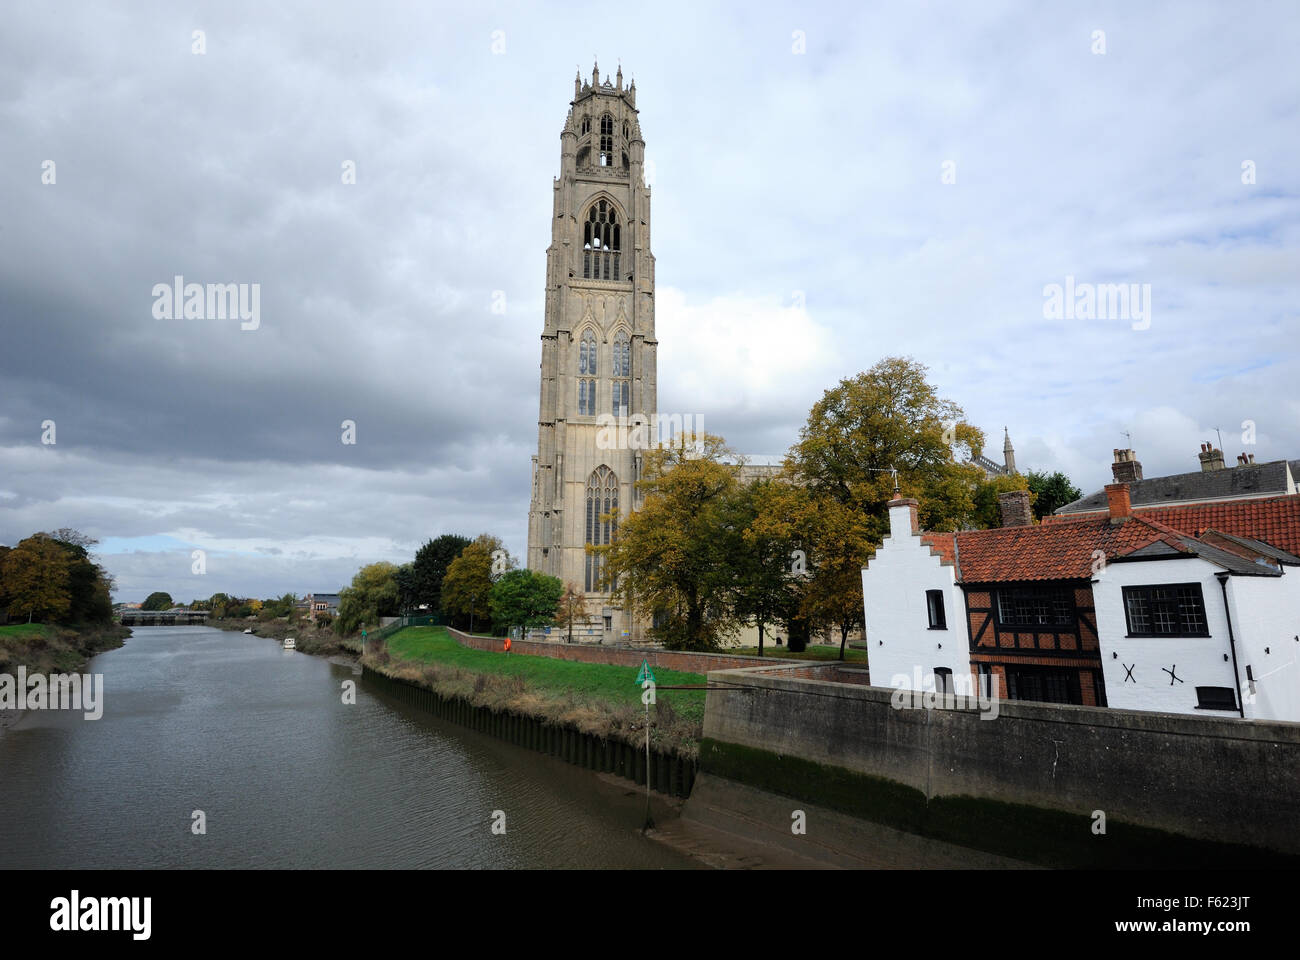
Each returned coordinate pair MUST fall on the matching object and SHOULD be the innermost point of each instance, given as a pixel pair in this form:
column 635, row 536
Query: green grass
column 24, row 630
column 594, row 682
column 811, row 652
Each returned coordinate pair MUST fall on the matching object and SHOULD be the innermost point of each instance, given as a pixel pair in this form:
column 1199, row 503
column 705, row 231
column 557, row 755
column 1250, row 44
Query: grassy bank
column 598, row 698
column 47, row 648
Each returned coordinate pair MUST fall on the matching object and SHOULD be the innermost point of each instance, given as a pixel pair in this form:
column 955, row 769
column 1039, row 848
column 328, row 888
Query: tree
column 36, row 579
column 373, row 594
column 406, row 593
column 470, row 576
column 525, row 598
column 430, row 568
column 571, row 609
column 89, row 585
column 219, row 605
column 767, row 552
column 841, row 544
column 884, row 430
column 888, row 418
column 158, row 600
column 1051, row 491
column 667, row 559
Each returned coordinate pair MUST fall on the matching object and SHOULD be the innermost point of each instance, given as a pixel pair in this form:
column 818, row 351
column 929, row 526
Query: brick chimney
column 1211, row 458
column 1126, row 468
column 1117, row 502
column 903, row 521
column 1015, row 508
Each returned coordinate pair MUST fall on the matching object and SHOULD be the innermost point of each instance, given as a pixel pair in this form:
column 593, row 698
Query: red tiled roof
column 1064, row 550
column 940, row 544
column 1273, row 520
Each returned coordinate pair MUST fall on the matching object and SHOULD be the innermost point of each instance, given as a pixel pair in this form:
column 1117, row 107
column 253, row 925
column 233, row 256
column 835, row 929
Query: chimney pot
column 1118, row 503
column 1126, row 468
column 1211, row 458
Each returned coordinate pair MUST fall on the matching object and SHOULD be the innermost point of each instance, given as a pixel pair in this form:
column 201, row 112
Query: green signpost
column 646, row 681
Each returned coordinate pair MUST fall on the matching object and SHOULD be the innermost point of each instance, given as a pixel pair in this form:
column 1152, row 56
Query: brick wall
column 616, row 654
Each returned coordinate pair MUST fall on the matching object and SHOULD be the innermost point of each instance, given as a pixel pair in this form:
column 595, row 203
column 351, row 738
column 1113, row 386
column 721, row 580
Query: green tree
column 886, row 429
column 1051, row 491
column 158, row 600
column 890, row 418
column 406, row 594
column 373, row 594
column 430, row 568
column 767, row 551
column 469, row 579
column 571, row 610
column 669, row 558
column 89, row 585
column 525, row 598
column 36, row 579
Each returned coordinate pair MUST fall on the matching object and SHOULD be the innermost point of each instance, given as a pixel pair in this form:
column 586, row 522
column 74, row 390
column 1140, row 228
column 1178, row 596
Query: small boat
column 288, row 643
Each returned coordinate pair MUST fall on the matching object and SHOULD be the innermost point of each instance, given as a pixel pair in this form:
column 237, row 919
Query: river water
column 287, row 775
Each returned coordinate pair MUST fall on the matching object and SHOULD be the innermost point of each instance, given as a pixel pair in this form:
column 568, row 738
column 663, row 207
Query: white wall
column 1197, row 661
column 899, row 638
column 1266, row 616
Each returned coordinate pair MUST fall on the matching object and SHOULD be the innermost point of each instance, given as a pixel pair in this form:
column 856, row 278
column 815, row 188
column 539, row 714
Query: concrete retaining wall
column 1230, row 781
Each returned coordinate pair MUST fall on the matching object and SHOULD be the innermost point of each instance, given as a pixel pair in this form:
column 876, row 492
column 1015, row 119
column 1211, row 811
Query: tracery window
column 606, row 141
column 621, row 394
column 586, row 375
column 602, row 242
column 602, row 498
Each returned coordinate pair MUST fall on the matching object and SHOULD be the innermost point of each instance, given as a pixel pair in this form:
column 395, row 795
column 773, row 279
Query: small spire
column 595, row 73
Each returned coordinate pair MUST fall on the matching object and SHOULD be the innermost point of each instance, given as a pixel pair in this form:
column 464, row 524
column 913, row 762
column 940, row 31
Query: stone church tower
column 598, row 343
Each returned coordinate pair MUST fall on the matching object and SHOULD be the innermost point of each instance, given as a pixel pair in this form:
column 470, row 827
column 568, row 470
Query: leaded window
column 1036, row 607
column 602, row 500
column 621, row 370
column 607, row 141
column 1168, row 610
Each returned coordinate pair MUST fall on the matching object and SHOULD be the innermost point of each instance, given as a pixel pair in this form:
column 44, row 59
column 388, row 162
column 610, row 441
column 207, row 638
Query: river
column 287, row 775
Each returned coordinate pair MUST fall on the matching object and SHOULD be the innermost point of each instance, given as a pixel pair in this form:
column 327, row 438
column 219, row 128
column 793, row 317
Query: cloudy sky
column 802, row 229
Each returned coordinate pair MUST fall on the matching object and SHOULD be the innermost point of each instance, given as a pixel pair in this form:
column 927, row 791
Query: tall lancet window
column 602, row 242
column 587, row 375
column 622, row 372
column 602, row 498
column 606, row 141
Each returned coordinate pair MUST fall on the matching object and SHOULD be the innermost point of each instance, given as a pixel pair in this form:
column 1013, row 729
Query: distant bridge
column 163, row 618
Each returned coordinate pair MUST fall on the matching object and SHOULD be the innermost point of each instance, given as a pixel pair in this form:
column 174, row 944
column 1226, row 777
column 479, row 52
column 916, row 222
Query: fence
column 386, row 631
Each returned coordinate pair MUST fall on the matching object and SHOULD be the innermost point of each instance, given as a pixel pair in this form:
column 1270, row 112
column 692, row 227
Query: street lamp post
column 472, row 600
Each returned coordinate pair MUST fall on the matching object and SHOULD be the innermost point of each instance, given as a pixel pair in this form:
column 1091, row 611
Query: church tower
column 598, row 344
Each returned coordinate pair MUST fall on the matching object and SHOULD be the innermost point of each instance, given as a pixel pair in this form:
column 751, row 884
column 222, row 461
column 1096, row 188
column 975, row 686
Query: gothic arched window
column 621, row 395
column 602, row 498
column 602, row 242
column 586, row 125
column 587, row 374
column 607, row 141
